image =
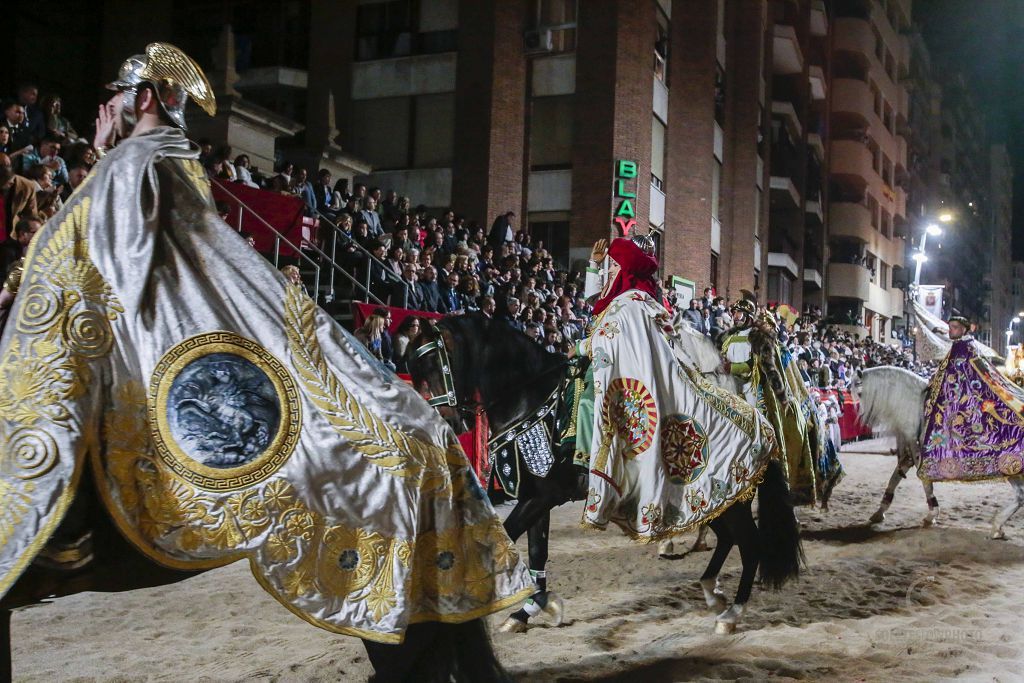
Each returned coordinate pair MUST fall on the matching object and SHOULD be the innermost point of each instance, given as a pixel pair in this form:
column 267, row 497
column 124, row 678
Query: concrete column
column 332, row 27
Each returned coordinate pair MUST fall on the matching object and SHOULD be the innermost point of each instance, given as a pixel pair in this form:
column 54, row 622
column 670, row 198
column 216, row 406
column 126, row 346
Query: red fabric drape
column 360, row 312
column 283, row 212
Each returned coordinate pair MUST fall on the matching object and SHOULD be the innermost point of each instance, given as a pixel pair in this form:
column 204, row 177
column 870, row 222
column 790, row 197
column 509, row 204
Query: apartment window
column 558, row 16
column 551, row 133
column 877, row 97
column 879, row 45
column 720, row 95
column 714, row 270
column 886, row 223
column 889, row 119
column 883, row 279
column 716, row 190
column 872, row 205
column 661, row 44
column 384, row 29
column 887, row 171
column 657, row 152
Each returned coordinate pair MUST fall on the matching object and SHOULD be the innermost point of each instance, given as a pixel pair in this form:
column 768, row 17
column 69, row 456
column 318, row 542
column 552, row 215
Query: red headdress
column 636, row 271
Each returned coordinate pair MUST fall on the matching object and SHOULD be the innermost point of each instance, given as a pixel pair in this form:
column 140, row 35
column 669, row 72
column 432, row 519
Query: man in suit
column 429, row 292
column 451, row 299
column 18, row 195
column 372, row 218
column 502, row 230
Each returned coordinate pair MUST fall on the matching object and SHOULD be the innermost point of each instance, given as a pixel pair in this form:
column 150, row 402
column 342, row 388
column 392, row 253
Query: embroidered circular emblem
column 629, row 409
column 225, row 412
column 684, row 448
column 1010, row 464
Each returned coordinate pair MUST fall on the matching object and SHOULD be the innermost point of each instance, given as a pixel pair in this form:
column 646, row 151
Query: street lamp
column 946, row 217
column 920, row 257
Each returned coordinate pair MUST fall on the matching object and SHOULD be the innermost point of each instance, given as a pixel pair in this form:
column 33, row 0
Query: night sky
column 984, row 39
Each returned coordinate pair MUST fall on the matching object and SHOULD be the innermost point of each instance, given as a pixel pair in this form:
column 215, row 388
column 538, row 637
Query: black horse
column 477, row 363
column 431, row 651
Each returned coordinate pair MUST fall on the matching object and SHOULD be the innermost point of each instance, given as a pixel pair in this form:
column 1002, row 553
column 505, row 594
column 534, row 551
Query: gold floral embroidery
column 382, row 444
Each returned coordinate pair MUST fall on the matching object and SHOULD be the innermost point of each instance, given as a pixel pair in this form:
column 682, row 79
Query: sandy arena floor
column 897, row 602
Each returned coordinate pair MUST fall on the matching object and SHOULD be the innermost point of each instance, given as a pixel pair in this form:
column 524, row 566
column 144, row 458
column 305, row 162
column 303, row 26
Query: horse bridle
column 448, row 398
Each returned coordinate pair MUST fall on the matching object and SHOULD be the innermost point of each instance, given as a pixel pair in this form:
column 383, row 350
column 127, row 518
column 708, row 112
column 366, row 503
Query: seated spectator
column 19, row 194
column 380, row 284
column 534, row 331
column 243, row 171
column 76, row 174
column 56, row 125
column 414, row 295
column 371, row 336
column 304, row 190
column 407, row 330
column 15, row 118
column 451, row 299
column 429, row 290
column 48, row 155
column 80, row 153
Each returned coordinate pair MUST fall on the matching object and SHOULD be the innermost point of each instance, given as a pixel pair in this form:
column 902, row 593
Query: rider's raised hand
column 599, row 251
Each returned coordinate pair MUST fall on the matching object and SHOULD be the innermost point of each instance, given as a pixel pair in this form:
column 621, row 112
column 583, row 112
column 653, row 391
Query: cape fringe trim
column 746, row 494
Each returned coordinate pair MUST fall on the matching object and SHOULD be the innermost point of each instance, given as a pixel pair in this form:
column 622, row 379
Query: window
column 661, row 43
column 714, row 270
column 558, row 16
column 716, row 190
column 384, row 29
column 720, row 95
column 657, row 152
column 883, row 280
column 551, row 132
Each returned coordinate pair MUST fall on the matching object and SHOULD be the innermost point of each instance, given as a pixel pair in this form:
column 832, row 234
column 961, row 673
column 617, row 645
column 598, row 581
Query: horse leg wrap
column 713, row 595
column 933, row 502
column 887, row 498
column 538, row 600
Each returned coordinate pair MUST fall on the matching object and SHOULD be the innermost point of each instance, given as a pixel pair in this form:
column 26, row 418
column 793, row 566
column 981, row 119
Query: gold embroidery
column 65, row 307
column 382, row 444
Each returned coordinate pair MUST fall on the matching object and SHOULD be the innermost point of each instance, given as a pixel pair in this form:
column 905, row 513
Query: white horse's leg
column 666, row 549
column 1003, row 516
column 933, row 504
column 898, row 475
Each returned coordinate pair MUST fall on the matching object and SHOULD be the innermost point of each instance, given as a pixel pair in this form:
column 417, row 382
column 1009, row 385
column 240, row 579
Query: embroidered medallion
column 684, row 448
column 630, row 409
column 224, row 412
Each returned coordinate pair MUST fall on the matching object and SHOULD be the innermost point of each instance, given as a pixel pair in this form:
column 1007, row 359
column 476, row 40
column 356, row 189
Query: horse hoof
column 998, row 535
column 513, row 625
column 929, row 520
column 700, row 547
column 666, row 549
column 877, row 518
column 724, row 628
column 554, row 609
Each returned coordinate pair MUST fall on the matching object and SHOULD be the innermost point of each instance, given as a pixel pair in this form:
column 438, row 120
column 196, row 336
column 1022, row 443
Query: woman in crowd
column 370, row 335
column 408, row 330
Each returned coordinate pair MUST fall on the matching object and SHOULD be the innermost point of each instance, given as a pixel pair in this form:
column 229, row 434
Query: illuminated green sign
column 624, row 217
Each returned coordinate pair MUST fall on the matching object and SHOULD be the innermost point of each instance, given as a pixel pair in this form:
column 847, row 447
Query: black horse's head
column 472, row 362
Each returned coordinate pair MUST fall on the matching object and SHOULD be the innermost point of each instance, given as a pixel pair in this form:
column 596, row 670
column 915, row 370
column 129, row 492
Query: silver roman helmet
column 645, row 242
column 174, row 76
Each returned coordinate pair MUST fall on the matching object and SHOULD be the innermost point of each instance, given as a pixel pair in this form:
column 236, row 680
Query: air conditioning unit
column 538, row 41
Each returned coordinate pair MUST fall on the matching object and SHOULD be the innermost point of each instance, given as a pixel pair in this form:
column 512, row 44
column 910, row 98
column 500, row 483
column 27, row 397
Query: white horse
column 892, row 398
column 700, row 353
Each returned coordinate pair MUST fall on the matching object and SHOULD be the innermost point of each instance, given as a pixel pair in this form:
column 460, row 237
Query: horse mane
column 500, row 362
column 892, row 398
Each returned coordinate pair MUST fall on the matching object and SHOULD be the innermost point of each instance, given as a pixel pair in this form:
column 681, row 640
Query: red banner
column 282, row 211
column 360, row 312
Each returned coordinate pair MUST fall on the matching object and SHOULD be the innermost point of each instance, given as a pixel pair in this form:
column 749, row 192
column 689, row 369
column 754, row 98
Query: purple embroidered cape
column 974, row 420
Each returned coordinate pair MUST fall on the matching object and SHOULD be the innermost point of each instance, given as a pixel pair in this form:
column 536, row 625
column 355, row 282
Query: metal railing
column 326, row 259
column 348, row 240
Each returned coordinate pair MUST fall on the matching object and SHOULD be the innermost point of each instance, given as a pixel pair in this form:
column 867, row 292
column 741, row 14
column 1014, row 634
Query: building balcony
column 852, row 164
column 854, row 36
column 851, row 221
column 849, row 281
column 852, row 104
column 787, row 112
column 819, row 85
column 813, row 209
column 785, row 191
column 819, row 19
column 784, row 261
column 812, row 277
column 815, row 142
column 787, row 58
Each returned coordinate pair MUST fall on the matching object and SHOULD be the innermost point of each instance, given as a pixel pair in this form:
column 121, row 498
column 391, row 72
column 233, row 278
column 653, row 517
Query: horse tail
column 462, row 653
column 778, row 531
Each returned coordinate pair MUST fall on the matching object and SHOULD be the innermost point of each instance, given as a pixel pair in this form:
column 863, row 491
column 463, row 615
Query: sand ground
column 891, row 603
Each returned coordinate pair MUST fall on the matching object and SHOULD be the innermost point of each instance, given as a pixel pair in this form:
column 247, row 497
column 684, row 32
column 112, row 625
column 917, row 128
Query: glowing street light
column 933, row 230
column 920, row 258
column 946, row 217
